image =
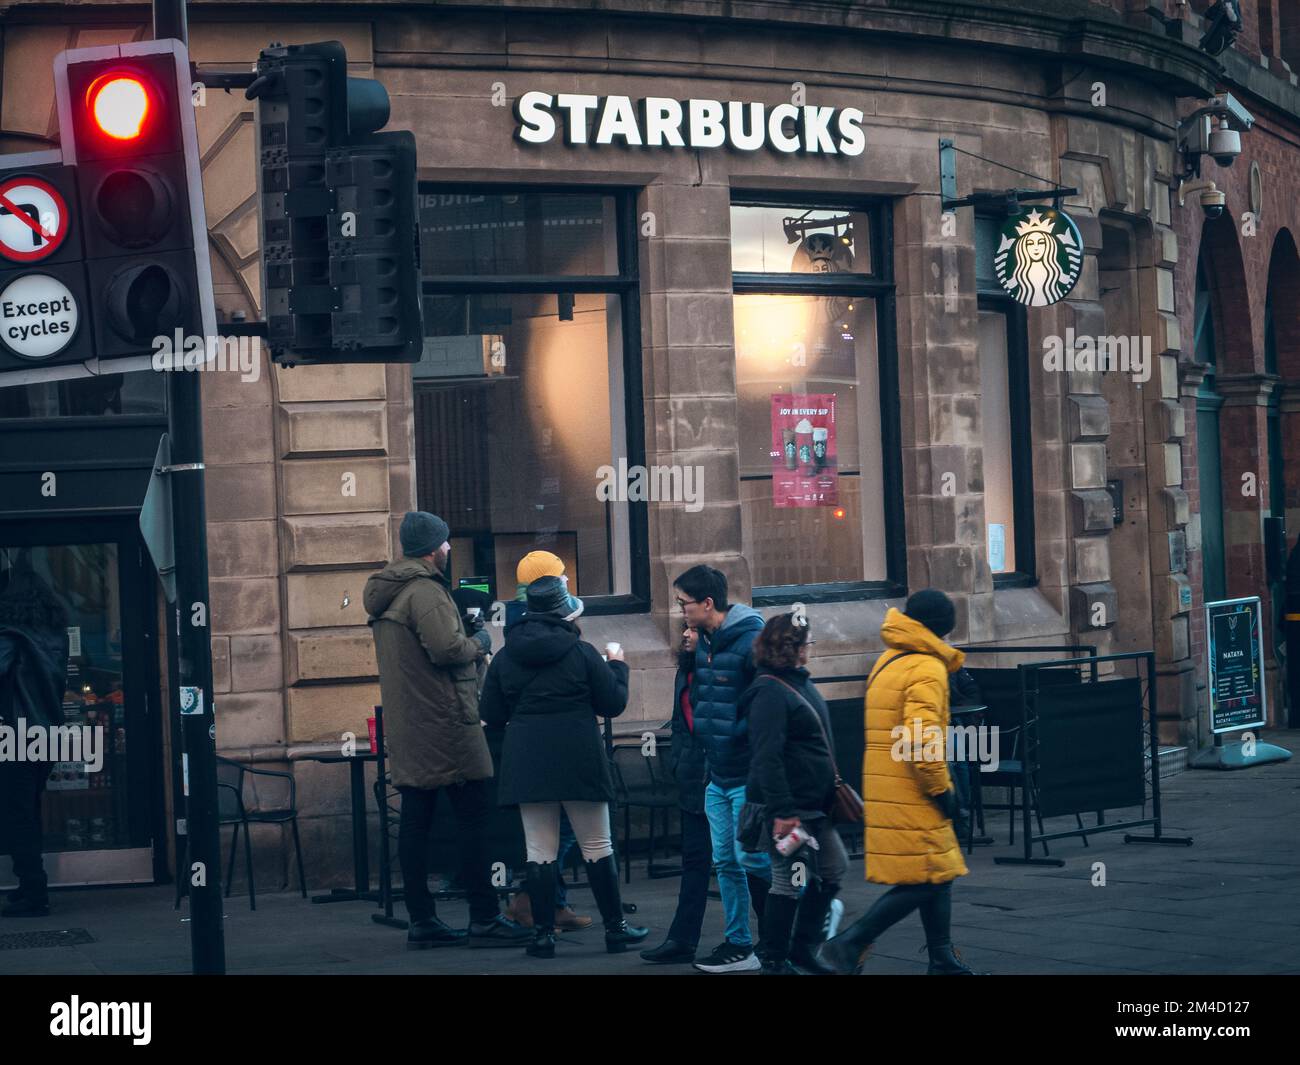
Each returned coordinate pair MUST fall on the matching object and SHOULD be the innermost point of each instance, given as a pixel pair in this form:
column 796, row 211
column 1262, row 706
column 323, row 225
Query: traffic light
column 126, row 120
column 103, row 243
column 340, row 256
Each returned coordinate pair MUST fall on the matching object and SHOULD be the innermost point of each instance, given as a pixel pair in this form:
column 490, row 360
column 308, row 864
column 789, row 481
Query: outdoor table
column 973, row 714
column 360, row 845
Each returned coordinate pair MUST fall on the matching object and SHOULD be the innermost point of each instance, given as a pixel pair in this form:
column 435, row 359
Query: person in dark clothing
column 33, row 672
column 686, row 762
column 429, row 686
column 792, row 775
column 533, row 565
column 724, row 667
column 963, row 690
column 545, row 688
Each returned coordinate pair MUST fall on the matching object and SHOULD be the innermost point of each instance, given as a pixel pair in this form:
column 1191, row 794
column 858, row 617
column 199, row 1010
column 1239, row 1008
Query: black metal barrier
column 1085, row 745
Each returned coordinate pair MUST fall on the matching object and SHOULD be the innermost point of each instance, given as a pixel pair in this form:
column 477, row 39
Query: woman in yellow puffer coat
column 910, row 801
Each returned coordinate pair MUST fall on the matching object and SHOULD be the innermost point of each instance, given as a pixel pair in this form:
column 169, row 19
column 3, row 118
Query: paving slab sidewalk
column 1224, row 905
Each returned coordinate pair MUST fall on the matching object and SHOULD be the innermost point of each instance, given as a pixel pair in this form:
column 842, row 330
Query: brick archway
column 1283, row 338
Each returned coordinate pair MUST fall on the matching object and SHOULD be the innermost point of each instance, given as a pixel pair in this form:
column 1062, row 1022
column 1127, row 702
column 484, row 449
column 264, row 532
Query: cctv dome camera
column 1213, row 202
column 1225, row 145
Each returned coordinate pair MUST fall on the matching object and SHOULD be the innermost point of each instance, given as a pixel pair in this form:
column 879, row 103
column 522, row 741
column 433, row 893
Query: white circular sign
column 33, row 219
column 38, row 316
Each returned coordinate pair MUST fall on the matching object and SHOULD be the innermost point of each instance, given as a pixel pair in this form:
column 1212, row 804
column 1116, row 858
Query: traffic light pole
column 192, row 687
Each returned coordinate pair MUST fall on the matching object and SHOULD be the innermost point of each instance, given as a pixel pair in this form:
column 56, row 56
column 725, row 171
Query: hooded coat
column 724, row 667
column 908, row 839
column 427, row 678
column 546, row 687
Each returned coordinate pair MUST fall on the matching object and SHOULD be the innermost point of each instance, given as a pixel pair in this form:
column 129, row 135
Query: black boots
column 808, row 930
column 847, row 952
column 619, row 935
column 758, row 890
column 944, row 962
column 540, row 884
column 778, row 922
column 29, row 899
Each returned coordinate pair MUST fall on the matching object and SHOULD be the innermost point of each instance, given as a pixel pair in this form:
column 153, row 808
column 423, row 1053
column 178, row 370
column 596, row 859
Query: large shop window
column 1004, row 417
column 817, row 400
column 527, row 398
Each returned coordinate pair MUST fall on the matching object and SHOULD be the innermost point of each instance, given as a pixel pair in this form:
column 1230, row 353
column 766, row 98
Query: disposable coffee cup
column 789, row 448
column 803, row 433
column 612, row 649
column 820, row 437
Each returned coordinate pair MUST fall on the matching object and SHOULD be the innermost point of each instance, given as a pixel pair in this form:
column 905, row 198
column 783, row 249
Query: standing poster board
column 1235, row 640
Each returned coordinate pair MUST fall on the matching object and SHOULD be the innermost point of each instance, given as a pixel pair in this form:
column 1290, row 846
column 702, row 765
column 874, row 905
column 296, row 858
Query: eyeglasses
column 682, row 603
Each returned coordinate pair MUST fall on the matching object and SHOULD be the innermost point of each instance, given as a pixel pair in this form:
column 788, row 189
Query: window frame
column 879, row 286
column 627, row 285
column 999, row 301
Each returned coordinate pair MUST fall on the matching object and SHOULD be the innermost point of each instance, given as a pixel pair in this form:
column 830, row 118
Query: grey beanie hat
column 422, row 533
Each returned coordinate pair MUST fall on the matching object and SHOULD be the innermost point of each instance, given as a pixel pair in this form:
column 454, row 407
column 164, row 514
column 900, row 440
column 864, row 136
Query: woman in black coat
column 546, row 688
column 792, row 775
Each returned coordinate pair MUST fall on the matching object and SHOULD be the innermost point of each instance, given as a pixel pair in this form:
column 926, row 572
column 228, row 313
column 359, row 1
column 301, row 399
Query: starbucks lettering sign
column 1039, row 257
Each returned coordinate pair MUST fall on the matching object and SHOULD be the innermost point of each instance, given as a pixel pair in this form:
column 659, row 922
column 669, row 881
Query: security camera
column 1213, row 200
column 1213, row 130
column 1224, row 144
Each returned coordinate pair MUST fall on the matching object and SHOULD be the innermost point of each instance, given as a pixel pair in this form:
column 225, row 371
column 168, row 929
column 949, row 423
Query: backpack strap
column 883, row 662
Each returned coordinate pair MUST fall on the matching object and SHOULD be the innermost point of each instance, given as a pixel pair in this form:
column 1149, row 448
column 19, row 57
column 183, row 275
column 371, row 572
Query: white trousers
column 590, row 822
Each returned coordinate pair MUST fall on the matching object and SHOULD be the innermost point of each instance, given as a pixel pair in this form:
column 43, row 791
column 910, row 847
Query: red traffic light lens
column 119, row 104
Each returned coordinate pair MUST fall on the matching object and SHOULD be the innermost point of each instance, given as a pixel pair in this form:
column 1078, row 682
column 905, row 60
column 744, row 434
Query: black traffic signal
column 340, row 258
column 127, row 128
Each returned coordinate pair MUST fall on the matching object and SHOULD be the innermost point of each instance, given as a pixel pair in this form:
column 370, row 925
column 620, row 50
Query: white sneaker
column 729, row 957
column 833, row 918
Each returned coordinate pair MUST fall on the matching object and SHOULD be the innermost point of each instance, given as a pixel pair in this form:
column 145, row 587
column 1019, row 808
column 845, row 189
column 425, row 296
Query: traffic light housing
column 126, row 120
column 340, row 256
column 103, row 243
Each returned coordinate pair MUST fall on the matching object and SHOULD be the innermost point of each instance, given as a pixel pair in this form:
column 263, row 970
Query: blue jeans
column 722, row 808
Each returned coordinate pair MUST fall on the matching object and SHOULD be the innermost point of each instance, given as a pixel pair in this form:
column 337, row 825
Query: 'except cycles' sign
column 38, row 316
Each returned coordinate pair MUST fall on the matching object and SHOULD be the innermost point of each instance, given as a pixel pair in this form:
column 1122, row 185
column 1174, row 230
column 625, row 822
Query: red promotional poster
column 803, row 450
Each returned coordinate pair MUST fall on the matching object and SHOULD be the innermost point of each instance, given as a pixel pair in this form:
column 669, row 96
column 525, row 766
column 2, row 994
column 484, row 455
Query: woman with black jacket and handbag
column 792, row 774
column 546, row 687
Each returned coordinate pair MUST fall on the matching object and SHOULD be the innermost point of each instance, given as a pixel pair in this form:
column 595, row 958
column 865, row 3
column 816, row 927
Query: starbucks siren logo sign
column 1039, row 257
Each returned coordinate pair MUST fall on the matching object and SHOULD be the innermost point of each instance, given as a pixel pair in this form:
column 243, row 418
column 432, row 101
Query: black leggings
column 933, row 900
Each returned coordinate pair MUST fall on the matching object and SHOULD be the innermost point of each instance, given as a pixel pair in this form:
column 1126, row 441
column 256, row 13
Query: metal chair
column 641, row 781
column 234, row 781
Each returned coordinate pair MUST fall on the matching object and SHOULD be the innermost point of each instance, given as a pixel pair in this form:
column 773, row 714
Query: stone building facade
column 310, row 468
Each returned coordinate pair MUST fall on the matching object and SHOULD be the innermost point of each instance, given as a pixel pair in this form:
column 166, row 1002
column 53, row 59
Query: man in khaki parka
column 428, row 683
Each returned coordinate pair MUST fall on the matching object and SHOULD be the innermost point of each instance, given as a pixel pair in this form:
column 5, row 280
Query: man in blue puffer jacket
column 724, row 667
